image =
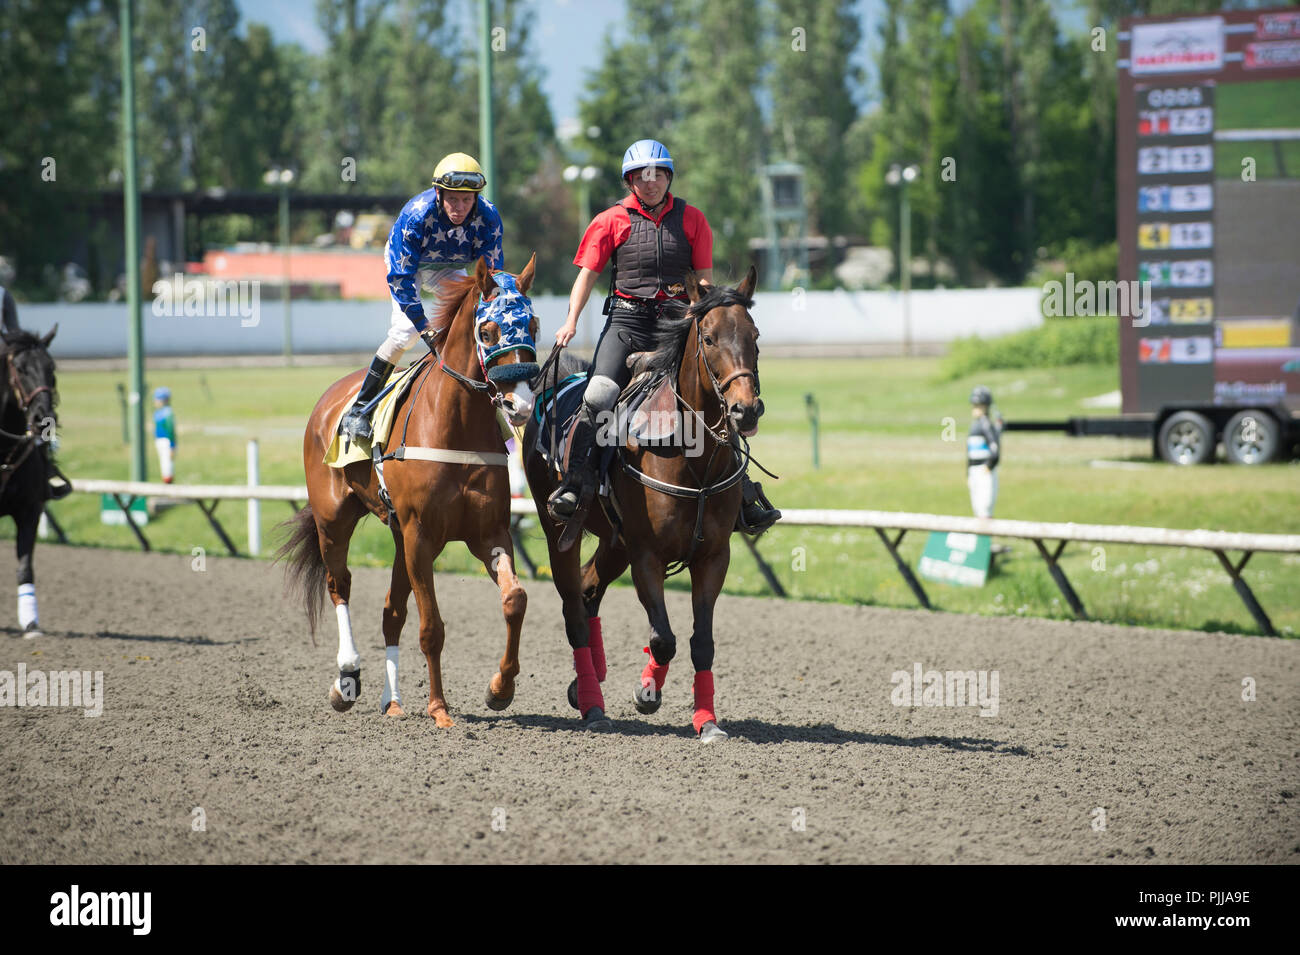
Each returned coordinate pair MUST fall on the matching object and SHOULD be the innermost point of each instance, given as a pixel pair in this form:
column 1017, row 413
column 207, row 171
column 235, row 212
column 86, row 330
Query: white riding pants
column 401, row 333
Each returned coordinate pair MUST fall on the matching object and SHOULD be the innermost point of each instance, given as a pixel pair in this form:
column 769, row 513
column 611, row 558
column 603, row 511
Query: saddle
column 645, row 414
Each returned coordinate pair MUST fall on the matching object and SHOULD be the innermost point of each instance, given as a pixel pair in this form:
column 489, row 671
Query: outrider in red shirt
column 650, row 254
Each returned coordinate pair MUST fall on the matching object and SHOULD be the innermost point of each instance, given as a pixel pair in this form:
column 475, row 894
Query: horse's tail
column 305, row 571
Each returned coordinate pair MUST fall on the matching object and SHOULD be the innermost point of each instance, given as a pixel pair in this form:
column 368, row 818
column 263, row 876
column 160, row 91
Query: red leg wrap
column 589, row 694
column 703, row 700
column 597, row 644
column 654, row 672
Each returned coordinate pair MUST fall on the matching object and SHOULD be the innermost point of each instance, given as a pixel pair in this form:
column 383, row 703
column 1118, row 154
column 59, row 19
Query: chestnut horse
column 672, row 506
column 448, row 481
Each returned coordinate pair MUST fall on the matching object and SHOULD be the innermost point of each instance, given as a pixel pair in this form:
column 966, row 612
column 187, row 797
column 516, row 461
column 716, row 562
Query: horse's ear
column 693, row 290
column 483, row 278
column 49, row 336
column 746, row 288
column 525, row 280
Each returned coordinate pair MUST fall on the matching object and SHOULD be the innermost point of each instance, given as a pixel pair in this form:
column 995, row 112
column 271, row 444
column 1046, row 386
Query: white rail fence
column 1050, row 539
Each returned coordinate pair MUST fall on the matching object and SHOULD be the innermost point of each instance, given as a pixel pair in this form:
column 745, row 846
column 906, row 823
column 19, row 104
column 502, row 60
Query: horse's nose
column 519, row 404
column 746, row 417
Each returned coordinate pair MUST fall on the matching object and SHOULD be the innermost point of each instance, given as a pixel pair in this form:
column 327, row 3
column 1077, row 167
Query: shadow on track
column 757, row 731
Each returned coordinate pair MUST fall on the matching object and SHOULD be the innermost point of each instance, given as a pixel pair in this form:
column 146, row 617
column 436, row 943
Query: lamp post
column 131, row 217
column 275, row 176
column 899, row 177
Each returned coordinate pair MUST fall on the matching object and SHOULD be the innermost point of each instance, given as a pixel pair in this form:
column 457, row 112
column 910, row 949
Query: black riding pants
column 622, row 336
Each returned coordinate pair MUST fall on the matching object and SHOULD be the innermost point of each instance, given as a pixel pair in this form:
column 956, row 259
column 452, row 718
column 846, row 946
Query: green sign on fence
column 110, row 513
column 961, row 559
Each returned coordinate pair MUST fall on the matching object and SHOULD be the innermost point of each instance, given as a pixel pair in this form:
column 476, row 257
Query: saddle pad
column 381, row 420
column 560, row 406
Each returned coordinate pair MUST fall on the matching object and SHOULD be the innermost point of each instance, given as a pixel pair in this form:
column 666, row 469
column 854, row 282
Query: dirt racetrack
column 213, row 698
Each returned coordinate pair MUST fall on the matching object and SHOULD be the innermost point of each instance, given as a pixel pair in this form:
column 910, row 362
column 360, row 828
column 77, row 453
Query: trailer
column 1208, row 219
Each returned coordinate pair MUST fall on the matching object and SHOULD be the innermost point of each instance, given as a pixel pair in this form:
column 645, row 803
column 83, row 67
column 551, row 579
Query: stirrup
column 763, row 515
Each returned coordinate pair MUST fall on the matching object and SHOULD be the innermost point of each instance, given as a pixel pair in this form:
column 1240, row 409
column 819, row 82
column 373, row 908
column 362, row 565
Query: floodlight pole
column 131, row 217
column 486, row 145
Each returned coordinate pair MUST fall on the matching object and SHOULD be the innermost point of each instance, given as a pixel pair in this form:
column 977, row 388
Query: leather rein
column 25, row 443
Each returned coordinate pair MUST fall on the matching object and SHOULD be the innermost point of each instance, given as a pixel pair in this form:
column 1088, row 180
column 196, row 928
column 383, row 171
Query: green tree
column 810, row 86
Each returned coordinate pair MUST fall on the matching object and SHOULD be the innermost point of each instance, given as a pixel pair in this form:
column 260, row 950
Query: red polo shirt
column 611, row 228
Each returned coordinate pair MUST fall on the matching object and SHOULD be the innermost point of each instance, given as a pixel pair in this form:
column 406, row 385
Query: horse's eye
column 708, row 340
column 485, row 334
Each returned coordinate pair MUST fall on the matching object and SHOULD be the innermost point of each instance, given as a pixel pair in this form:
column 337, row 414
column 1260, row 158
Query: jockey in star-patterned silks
column 437, row 235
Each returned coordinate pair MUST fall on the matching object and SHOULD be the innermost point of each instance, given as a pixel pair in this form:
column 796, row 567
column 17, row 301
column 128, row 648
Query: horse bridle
column 26, row 442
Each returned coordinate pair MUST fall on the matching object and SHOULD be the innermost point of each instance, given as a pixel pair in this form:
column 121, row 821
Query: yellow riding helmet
column 459, row 172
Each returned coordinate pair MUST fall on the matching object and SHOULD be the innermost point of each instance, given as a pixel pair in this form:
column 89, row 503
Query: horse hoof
column 596, row 721
column 393, row 709
column 441, row 718
column 710, row 733
column 573, row 695
column 647, row 699
column 32, row 632
column 498, row 703
column 350, row 682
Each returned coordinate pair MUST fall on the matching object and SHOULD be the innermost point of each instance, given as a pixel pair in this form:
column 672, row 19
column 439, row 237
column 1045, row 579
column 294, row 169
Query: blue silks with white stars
column 423, row 237
column 512, row 311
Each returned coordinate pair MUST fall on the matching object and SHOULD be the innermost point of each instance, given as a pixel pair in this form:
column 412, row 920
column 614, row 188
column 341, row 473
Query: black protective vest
column 653, row 257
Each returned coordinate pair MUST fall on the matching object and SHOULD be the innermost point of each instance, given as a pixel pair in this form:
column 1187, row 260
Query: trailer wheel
column 1186, row 438
column 1251, row 437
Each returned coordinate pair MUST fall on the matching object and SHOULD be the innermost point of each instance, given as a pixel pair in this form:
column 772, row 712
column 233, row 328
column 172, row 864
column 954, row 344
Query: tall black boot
column 580, row 478
column 54, row 492
column 355, row 425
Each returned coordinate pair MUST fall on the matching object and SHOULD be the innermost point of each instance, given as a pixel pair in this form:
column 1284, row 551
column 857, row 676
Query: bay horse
column 447, row 482
column 665, row 506
column 26, row 427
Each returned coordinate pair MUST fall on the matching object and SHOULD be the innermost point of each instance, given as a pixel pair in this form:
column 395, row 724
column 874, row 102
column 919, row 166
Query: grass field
column 884, row 445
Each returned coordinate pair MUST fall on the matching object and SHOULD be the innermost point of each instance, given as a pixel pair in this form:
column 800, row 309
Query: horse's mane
column 676, row 320
column 452, row 292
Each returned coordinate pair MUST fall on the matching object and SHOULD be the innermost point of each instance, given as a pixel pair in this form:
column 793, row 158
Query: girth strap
column 445, row 456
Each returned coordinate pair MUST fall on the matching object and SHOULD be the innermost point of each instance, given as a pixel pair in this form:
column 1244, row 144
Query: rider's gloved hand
column 428, row 336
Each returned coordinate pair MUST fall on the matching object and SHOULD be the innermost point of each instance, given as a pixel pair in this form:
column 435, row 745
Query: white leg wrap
column 26, row 605
column 390, row 678
column 348, row 658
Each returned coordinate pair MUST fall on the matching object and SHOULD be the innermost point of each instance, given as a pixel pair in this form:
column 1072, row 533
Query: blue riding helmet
column 646, row 152
column 162, row 394
column 512, row 310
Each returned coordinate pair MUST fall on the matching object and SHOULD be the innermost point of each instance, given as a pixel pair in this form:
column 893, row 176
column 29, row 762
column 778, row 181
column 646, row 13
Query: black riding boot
column 756, row 512
column 55, row 492
column 580, row 478
column 355, row 425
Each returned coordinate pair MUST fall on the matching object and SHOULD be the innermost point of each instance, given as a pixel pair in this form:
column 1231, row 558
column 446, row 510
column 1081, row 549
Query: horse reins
column 26, row 441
